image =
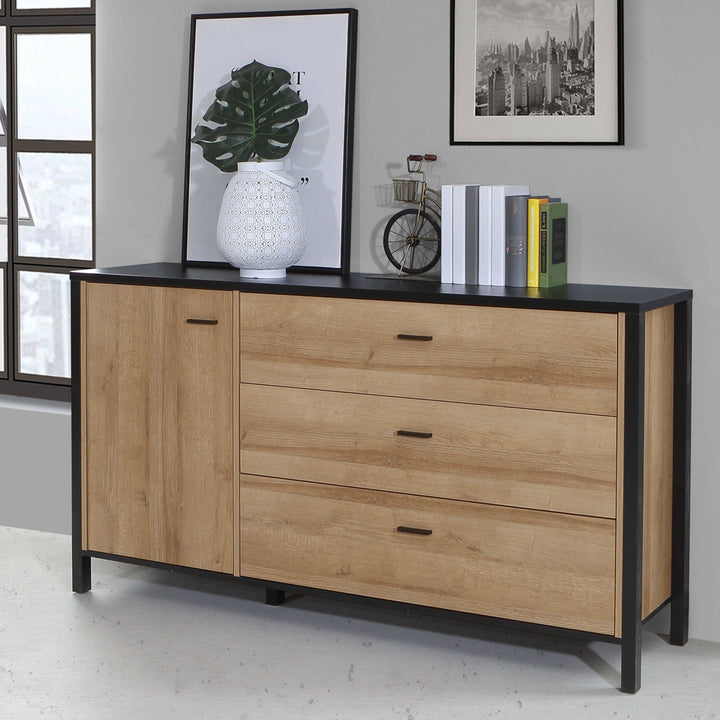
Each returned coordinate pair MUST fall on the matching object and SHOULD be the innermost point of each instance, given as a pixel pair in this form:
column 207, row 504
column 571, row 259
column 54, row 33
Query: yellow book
column 533, row 247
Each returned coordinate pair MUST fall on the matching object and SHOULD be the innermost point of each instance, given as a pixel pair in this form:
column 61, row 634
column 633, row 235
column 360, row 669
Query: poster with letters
column 318, row 49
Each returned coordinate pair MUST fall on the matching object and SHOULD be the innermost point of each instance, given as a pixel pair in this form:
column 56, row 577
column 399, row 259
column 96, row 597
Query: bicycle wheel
column 412, row 250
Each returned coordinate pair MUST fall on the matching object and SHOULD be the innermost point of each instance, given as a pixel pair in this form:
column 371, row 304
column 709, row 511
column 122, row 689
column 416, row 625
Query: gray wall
column 35, row 464
column 642, row 214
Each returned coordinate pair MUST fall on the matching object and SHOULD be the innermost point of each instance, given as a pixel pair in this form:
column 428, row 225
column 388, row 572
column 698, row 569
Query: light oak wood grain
column 658, row 457
column 507, row 456
column 160, row 430
column 519, row 564
column 538, row 359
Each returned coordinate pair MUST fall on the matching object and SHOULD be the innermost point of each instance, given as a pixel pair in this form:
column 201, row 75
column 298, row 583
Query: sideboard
column 517, row 456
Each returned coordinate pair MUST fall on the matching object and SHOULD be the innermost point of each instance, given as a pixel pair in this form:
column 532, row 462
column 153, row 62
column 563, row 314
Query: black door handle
column 412, row 530
column 417, row 338
column 412, row 433
column 199, row 321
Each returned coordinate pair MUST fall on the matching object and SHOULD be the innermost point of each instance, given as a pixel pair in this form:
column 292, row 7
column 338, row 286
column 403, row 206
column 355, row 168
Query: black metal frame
column 349, row 119
column 633, row 501
column 37, row 21
column 679, row 602
column 620, row 92
column 81, row 576
column 679, row 612
column 632, row 548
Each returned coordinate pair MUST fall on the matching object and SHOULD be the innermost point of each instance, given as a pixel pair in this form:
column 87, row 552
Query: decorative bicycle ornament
column 412, row 236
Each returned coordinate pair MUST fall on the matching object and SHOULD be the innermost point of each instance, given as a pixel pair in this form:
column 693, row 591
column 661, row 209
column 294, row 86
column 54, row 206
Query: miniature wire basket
column 407, row 190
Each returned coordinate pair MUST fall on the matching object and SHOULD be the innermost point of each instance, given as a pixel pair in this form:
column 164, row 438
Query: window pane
column 57, row 190
column 45, row 4
column 3, row 320
column 44, row 312
column 54, row 96
column 3, row 206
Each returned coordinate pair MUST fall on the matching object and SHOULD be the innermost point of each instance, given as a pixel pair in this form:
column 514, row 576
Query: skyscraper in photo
column 496, row 92
column 518, row 92
column 587, row 46
column 535, row 93
column 575, row 28
column 552, row 77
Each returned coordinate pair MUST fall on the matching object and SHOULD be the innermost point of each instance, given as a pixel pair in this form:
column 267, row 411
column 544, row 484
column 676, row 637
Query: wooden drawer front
column 496, row 356
column 520, row 564
column 507, row 456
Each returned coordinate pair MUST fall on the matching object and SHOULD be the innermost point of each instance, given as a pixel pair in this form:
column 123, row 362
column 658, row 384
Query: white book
column 499, row 193
column 485, row 235
column 472, row 226
column 459, row 228
column 446, row 235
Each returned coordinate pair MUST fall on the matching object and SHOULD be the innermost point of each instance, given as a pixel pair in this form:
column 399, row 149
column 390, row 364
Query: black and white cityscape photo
column 535, row 57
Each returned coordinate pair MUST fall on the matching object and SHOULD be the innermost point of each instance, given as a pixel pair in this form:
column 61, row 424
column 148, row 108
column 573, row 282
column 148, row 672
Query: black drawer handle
column 412, row 433
column 417, row 338
column 412, row 530
column 199, row 321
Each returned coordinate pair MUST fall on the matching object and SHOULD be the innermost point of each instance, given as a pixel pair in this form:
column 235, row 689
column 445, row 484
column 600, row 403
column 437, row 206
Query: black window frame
column 16, row 22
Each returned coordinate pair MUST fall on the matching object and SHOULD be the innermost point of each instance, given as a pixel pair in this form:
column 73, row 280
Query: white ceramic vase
column 260, row 228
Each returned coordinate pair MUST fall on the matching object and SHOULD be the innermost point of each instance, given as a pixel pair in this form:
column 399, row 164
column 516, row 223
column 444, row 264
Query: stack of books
column 501, row 235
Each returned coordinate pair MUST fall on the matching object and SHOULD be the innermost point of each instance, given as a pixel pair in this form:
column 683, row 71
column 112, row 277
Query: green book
column 553, row 244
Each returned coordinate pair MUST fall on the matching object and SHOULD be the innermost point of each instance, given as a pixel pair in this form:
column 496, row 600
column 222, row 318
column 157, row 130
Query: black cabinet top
column 590, row 298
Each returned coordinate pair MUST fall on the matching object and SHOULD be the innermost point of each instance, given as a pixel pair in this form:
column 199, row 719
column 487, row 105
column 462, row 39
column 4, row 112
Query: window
column 47, row 185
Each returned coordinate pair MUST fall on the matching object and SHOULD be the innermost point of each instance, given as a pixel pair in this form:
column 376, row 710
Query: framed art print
column 536, row 71
column 317, row 48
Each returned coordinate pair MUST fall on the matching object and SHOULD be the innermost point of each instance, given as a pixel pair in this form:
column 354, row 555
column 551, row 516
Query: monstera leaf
column 256, row 117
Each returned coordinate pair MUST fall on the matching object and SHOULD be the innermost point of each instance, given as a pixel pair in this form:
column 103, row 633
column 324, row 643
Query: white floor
column 154, row 644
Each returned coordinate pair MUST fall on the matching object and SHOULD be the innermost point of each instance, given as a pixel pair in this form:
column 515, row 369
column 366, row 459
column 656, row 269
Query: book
column 497, row 241
column 465, row 234
column 459, row 227
column 516, row 227
column 533, row 240
column 485, row 235
column 446, row 234
column 472, row 207
column 553, row 244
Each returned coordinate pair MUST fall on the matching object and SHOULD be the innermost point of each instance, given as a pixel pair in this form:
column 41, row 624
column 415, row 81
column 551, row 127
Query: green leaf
column 255, row 116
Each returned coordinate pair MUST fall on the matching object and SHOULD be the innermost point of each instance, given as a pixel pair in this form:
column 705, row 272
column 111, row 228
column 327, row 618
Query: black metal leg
column 679, row 608
column 80, row 564
column 274, row 596
column 81, row 577
column 633, row 501
column 631, row 655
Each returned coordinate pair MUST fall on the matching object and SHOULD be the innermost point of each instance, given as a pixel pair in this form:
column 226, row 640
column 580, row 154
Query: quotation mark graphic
column 304, row 181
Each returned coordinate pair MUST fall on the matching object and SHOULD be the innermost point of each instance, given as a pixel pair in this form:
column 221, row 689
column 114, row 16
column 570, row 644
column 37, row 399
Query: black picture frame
column 473, row 122
column 330, row 252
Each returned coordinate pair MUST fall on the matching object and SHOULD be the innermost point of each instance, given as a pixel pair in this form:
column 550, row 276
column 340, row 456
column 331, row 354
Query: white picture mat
column 316, row 45
column 601, row 127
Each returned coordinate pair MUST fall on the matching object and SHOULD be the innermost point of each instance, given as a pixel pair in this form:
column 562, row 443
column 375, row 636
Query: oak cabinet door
column 158, row 391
